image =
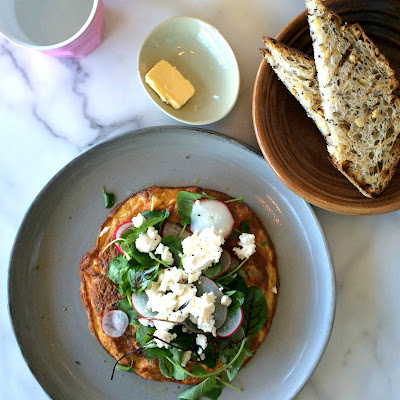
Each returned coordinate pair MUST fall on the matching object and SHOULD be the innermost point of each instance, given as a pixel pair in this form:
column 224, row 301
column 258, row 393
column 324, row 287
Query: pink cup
column 64, row 28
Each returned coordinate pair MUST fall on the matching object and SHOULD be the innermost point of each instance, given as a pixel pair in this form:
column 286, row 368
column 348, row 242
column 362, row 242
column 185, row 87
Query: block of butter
column 169, row 84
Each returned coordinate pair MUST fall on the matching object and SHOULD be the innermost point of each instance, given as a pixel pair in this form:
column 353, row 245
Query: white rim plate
column 62, row 223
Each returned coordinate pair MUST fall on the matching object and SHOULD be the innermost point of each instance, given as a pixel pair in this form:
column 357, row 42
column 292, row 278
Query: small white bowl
column 204, row 57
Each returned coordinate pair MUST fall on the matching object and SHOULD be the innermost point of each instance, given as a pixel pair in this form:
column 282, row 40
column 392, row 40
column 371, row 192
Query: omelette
column 100, row 295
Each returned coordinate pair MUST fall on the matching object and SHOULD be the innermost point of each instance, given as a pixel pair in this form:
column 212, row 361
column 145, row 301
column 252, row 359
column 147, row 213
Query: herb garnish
column 109, row 198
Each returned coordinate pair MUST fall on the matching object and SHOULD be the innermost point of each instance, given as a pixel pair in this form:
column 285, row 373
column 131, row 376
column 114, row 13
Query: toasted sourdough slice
column 297, row 72
column 358, row 96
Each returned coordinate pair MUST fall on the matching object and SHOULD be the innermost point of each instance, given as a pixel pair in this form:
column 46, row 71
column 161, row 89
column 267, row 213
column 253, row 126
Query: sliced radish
column 171, row 229
column 119, row 231
column 192, row 327
column 206, row 285
column 114, row 323
column 225, row 261
column 209, row 212
column 139, row 303
column 231, row 325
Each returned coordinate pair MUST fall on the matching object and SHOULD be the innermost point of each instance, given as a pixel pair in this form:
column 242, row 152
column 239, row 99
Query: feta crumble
column 138, row 220
column 165, row 253
column 105, row 230
column 274, row 290
column 201, row 340
column 226, row 300
column 146, row 322
column 148, row 241
column 247, row 246
column 174, row 300
column 164, row 335
column 202, row 356
column 185, row 358
column 200, row 251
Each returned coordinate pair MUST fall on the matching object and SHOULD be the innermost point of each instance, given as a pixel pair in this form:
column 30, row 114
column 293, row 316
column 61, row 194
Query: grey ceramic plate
column 62, row 223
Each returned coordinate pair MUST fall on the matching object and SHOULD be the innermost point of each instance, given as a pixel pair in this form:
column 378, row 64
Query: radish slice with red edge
column 139, row 303
column 231, row 325
column 114, row 323
column 209, row 212
column 225, row 261
column 171, row 229
column 119, row 231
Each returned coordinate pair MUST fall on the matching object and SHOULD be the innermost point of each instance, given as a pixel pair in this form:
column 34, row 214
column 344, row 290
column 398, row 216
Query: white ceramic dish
column 63, row 222
column 204, row 57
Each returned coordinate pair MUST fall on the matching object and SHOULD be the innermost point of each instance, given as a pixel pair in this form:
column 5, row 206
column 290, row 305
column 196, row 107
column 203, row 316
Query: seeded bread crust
column 297, row 72
column 358, row 90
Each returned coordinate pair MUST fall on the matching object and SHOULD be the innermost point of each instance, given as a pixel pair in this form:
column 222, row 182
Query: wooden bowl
column 292, row 144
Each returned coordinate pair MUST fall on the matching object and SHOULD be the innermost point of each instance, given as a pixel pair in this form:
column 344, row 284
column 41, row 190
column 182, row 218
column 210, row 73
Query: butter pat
column 172, row 87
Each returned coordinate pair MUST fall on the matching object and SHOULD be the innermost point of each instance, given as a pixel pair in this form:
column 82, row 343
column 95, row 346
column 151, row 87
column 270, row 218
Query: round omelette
column 100, row 295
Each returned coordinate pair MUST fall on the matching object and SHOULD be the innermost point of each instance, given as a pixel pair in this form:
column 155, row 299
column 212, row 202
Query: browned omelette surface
column 99, row 294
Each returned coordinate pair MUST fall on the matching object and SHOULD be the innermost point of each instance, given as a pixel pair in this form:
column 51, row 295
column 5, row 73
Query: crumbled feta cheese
column 202, row 312
column 201, row 340
column 200, row 251
column 138, row 220
column 148, row 241
column 105, row 230
column 274, row 290
column 174, row 300
column 202, row 356
column 165, row 253
column 146, row 322
column 165, row 336
column 248, row 247
column 226, row 301
column 186, row 357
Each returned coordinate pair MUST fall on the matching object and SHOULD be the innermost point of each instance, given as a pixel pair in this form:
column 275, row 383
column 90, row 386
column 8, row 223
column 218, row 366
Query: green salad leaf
column 141, row 277
column 175, row 246
column 109, row 198
column 126, row 307
column 255, row 311
column 195, row 392
column 228, row 350
column 245, row 226
column 153, row 218
column 142, row 334
column 117, row 268
column 237, row 300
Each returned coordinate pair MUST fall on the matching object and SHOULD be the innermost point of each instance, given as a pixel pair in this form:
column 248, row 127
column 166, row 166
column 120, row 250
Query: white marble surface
column 52, row 109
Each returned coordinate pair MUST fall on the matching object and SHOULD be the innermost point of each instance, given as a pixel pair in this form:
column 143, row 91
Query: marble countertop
column 51, row 109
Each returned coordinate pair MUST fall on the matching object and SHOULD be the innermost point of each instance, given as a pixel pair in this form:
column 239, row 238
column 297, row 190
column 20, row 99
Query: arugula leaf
column 235, row 233
column 153, row 218
column 141, row 334
column 184, row 203
column 237, row 300
column 177, row 355
column 228, row 349
column 109, row 198
column 153, row 351
column 124, row 306
column 141, row 277
column 198, row 370
column 166, row 368
column 175, row 246
column 245, row 226
column 117, row 268
column 213, row 271
column 210, row 359
column 195, row 392
column 183, row 340
column 240, row 199
column 247, row 350
column 255, row 311
column 124, row 368
column 213, row 394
